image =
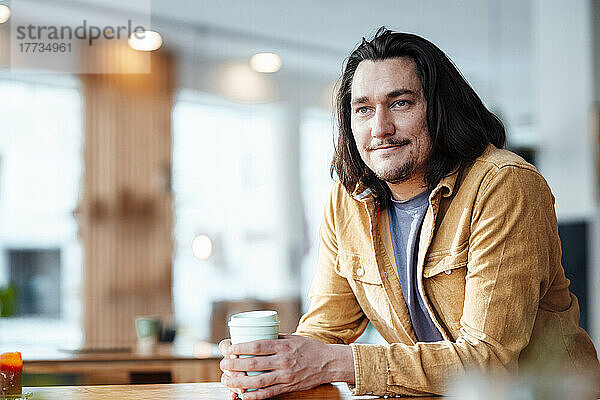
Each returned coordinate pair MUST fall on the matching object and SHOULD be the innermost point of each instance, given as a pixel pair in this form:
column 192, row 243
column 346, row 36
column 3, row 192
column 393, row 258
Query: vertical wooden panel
column 126, row 217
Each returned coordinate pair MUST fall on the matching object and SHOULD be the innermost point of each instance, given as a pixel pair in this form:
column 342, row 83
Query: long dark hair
column 459, row 125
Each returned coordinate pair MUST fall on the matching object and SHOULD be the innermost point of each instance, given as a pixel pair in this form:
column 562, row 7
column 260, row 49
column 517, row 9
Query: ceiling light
column 265, row 62
column 145, row 40
column 4, row 13
column 202, row 247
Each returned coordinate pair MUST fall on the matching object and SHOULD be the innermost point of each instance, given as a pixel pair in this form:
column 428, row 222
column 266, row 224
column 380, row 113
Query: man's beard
column 398, row 175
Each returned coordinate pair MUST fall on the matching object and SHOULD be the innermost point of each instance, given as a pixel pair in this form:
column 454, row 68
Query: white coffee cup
column 253, row 325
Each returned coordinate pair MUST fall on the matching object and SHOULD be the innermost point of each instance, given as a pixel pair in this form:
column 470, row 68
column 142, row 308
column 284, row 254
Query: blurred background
column 196, row 189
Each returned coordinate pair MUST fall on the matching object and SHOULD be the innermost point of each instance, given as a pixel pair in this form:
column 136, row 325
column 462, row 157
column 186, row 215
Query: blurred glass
column 223, row 184
column 40, row 173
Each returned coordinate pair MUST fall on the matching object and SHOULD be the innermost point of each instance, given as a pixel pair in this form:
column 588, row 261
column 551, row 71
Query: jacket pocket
column 363, row 276
column 455, row 258
column 358, row 268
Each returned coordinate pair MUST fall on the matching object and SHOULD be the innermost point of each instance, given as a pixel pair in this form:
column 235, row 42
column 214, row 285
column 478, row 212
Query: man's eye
column 402, row 103
column 362, row 110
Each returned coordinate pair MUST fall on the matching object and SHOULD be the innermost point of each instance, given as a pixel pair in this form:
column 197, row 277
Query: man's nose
column 382, row 123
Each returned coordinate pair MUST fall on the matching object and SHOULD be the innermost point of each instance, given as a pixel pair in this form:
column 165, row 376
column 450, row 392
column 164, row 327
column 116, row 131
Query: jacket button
column 448, row 271
column 360, row 272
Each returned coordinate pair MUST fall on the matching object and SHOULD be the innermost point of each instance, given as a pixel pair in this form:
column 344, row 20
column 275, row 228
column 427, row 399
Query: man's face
column 388, row 120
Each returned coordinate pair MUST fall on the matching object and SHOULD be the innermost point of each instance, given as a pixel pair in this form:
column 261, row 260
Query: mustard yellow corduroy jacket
column 489, row 268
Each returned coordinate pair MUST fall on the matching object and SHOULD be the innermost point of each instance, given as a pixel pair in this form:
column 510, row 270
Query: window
column 40, row 172
column 223, row 187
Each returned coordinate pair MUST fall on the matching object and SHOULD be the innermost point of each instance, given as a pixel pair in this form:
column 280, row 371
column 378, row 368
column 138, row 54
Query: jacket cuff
column 370, row 370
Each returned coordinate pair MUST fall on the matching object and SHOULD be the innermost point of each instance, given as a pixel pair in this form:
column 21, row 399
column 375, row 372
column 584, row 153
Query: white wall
column 564, row 88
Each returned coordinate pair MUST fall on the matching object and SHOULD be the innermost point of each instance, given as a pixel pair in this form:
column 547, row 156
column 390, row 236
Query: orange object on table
column 11, row 373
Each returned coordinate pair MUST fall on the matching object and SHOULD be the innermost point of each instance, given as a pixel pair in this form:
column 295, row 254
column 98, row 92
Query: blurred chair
column 289, row 310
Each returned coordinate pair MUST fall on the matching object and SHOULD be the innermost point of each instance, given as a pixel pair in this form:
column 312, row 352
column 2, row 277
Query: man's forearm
column 340, row 364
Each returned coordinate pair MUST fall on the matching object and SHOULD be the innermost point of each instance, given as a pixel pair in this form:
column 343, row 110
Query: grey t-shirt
column 406, row 218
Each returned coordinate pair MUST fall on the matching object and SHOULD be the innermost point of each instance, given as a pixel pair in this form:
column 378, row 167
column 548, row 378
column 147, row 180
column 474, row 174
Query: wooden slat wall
column 126, row 208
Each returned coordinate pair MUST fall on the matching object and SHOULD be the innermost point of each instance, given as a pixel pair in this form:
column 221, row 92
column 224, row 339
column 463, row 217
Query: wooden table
column 186, row 391
column 113, row 368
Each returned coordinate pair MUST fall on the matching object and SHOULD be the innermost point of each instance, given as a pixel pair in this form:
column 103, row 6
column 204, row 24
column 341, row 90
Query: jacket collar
column 447, row 184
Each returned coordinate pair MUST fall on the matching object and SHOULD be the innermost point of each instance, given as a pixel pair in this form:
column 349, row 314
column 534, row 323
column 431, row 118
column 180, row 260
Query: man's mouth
column 390, row 145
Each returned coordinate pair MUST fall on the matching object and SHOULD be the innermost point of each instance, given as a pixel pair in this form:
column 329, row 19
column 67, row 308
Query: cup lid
column 255, row 318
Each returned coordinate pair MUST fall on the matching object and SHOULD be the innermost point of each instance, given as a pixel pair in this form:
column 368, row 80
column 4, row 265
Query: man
column 447, row 244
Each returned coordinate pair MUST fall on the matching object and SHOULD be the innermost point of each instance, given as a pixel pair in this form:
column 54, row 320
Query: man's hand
column 292, row 363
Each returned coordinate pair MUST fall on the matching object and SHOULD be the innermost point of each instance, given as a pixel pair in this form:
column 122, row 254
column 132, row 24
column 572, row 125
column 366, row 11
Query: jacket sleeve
column 513, row 234
column 334, row 315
